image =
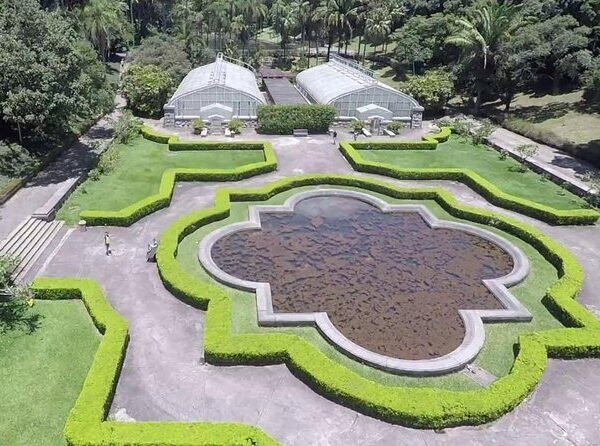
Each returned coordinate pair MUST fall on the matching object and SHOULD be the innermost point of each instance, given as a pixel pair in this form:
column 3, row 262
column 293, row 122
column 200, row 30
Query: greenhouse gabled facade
column 222, row 90
column 356, row 94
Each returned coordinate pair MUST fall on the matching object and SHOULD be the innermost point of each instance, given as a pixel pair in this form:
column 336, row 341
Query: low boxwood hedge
column 429, row 142
column 141, row 208
column 475, row 181
column 86, row 425
column 415, row 407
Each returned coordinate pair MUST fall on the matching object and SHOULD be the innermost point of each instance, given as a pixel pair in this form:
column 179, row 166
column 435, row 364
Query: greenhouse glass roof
column 219, row 73
column 335, row 78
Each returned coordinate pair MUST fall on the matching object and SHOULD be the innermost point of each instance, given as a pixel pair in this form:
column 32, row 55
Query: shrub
column 235, row 125
column 146, row 88
column 8, row 263
column 106, row 163
column 432, row 90
column 526, row 151
column 283, row 119
column 16, row 161
column 127, row 127
column 198, row 126
column 481, row 132
column 396, row 127
column 591, row 84
column 165, row 52
column 357, row 125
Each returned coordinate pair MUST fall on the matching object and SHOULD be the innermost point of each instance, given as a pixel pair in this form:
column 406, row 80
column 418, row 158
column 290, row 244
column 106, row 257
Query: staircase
column 27, row 242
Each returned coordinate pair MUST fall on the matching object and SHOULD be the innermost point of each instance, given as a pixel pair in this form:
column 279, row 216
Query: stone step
column 29, row 239
column 12, row 238
column 36, row 251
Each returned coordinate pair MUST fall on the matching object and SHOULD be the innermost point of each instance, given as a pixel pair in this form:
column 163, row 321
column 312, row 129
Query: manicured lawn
column 497, row 355
column 42, row 373
column 565, row 115
column 485, row 161
column 138, row 173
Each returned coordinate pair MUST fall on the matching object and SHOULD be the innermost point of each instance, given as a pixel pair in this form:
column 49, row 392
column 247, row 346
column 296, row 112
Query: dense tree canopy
column 49, row 77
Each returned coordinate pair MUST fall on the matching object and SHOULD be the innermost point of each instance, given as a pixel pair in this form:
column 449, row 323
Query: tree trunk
column 478, row 100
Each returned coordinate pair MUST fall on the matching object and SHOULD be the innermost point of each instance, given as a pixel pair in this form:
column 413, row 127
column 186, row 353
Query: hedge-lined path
column 162, row 378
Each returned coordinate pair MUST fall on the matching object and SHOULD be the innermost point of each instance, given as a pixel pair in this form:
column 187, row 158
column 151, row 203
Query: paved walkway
column 162, row 378
column 550, row 159
column 71, row 165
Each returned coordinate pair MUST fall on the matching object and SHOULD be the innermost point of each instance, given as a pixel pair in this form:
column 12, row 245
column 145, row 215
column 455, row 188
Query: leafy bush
column 198, row 126
column 432, row 90
column 106, row 163
column 127, row 127
column 16, row 161
column 396, row 127
column 480, row 133
column 283, row 119
column 8, row 264
column 165, row 52
column 591, row 84
column 357, row 125
column 235, row 125
column 146, row 88
column 526, row 151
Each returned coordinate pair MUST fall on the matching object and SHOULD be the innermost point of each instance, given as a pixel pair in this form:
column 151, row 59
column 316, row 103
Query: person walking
column 334, row 136
column 107, row 243
column 355, row 134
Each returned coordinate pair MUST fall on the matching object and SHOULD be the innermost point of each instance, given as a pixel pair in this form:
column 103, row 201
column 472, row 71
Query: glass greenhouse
column 355, row 93
column 222, row 90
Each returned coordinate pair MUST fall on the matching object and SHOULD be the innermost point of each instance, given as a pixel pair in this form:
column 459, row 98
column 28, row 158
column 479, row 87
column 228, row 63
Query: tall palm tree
column 378, row 27
column 284, row 22
column 481, row 38
column 337, row 16
column 302, row 9
column 103, row 21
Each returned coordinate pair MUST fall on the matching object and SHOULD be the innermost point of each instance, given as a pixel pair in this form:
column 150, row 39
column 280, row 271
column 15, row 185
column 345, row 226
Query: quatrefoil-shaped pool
column 387, row 284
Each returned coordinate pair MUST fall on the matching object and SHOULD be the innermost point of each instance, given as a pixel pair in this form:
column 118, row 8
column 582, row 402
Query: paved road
column 162, row 377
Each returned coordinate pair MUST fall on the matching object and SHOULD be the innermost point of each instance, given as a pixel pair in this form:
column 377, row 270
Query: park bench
column 389, row 132
column 366, row 132
column 300, row 132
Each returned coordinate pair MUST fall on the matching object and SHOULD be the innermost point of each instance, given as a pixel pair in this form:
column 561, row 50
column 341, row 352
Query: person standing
column 334, row 136
column 355, row 134
column 107, row 243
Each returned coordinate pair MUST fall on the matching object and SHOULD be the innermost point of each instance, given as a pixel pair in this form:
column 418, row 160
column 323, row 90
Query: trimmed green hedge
column 416, row 407
column 475, row 181
column 283, row 119
column 429, row 142
column 162, row 199
column 86, row 425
